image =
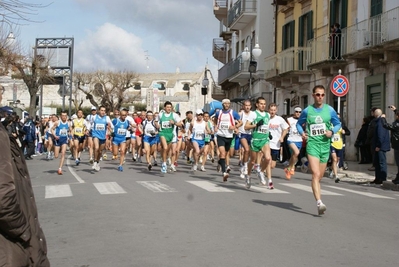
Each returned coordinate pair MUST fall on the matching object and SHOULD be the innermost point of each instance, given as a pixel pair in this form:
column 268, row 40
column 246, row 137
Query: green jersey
column 164, row 123
column 317, row 123
column 262, row 131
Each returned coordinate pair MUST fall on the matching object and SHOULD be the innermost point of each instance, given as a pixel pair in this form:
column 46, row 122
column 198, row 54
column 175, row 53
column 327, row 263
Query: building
column 244, row 25
column 309, row 52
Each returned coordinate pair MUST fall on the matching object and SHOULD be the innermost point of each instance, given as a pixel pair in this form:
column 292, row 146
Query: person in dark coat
column 380, row 146
column 365, row 156
column 22, row 242
column 29, row 138
column 394, row 128
column 370, row 136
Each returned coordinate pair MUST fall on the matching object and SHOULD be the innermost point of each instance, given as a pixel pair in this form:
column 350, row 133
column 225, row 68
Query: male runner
column 79, row 126
column 150, row 132
column 60, row 132
column 245, row 137
column 198, row 129
column 121, row 126
column 89, row 121
column 294, row 142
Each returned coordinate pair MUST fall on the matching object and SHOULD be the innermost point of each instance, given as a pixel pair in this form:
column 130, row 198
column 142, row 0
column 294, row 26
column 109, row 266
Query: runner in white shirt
column 245, row 137
column 89, row 120
column 278, row 128
column 294, row 141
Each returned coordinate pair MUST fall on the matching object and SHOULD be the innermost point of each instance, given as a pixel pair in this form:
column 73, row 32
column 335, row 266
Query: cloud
column 110, row 48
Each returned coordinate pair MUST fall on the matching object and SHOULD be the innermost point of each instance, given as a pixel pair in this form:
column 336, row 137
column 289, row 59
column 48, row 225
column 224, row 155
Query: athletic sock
column 222, row 163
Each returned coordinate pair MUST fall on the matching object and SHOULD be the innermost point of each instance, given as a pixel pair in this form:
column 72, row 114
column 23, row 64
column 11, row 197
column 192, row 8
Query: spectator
column 336, row 42
column 394, row 128
column 30, row 138
column 370, row 137
column 365, row 156
column 22, row 242
column 380, row 146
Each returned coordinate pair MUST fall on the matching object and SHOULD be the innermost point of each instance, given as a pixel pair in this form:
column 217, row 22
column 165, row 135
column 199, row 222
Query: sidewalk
column 359, row 174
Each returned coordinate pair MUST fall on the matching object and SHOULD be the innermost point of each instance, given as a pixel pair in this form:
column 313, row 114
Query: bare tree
column 17, row 11
column 107, row 88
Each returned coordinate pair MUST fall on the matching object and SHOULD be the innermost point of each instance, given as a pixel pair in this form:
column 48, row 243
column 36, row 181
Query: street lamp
column 252, row 56
column 205, row 83
column 285, row 106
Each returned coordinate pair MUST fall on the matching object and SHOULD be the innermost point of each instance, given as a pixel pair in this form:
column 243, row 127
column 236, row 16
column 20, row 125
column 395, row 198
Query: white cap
column 93, row 108
column 226, row 100
column 199, row 111
column 74, row 116
column 297, row 109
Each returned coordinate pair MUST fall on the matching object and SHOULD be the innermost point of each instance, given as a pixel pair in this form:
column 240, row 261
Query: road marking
column 360, row 193
column 309, row 189
column 210, row 187
column 55, row 191
column 157, row 187
column 263, row 189
column 72, row 171
column 109, row 188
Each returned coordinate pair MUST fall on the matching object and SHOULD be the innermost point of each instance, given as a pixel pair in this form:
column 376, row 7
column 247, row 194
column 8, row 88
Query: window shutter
column 310, row 25
column 301, row 31
column 344, row 12
column 292, row 33
column 284, row 37
column 332, row 13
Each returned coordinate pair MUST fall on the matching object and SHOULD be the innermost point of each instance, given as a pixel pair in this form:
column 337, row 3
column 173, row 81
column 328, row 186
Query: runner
column 245, row 137
column 208, row 142
column 188, row 146
column 259, row 123
column 49, row 138
column 278, row 129
column 79, row 126
column 167, row 119
column 89, row 121
column 227, row 121
column 121, row 126
column 294, row 141
column 322, row 123
column 337, row 146
column 60, row 132
column 98, row 127
column 150, row 132
column 198, row 129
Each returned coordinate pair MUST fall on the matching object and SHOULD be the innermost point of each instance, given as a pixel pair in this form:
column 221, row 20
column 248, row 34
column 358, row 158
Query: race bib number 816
column 317, row 129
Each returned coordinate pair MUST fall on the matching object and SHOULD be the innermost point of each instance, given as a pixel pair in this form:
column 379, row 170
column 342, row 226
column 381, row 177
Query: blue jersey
column 62, row 130
column 120, row 128
column 99, row 127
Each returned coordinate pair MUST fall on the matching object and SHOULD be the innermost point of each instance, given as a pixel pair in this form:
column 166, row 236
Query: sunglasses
column 319, row 95
column 298, row 111
column 200, row 114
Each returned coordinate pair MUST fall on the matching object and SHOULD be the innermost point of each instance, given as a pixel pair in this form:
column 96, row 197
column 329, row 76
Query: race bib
column 166, row 124
column 63, row 132
column 100, row 127
column 263, row 129
column 224, row 125
column 317, row 129
column 336, row 137
column 78, row 130
column 121, row 131
column 199, row 135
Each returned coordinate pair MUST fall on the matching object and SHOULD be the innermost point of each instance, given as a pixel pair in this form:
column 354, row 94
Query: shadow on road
column 283, row 205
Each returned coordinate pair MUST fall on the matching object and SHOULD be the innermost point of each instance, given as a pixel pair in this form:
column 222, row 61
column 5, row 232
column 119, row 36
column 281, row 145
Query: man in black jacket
column 394, row 128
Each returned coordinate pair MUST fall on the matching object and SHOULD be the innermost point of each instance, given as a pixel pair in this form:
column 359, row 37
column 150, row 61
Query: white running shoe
column 321, row 208
column 225, row 176
column 97, row 167
column 94, row 165
column 247, row 181
column 164, row 168
column 242, row 172
column 203, row 168
column 228, row 170
column 261, row 176
column 172, row 168
column 194, row 168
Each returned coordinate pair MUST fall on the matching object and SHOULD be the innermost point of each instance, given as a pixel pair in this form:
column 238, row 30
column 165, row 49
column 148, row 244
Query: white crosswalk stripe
column 309, row 189
column 210, row 187
column 263, row 189
column 109, row 188
column 156, row 186
column 56, row 191
column 367, row 194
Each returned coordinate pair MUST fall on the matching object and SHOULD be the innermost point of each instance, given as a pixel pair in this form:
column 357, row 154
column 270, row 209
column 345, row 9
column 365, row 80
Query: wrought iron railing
column 228, row 70
column 293, row 58
column 329, row 46
column 240, row 7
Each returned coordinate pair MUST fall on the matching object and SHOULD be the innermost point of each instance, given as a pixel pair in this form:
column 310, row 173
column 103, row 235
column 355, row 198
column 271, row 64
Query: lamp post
column 205, row 83
column 251, row 55
column 285, row 107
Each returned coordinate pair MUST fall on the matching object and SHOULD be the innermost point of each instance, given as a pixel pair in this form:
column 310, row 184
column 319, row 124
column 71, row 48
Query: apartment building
column 245, row 26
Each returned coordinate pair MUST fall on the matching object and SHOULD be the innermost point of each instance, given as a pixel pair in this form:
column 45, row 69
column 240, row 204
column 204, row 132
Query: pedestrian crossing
column 113, row 188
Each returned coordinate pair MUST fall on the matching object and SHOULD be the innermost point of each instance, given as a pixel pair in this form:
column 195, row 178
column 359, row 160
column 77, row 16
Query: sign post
column 339, row 86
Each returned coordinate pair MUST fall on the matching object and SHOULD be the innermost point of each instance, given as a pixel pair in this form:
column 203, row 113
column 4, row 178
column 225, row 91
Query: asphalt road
column 137, row 218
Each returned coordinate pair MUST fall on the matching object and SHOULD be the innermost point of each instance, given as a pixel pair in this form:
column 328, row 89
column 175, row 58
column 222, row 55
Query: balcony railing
column 239, row 8
column 293, row 59
column 271, row 67
column 230, row 69
column 374, row 31
column 220, row 3
column 326, row 47
column 219, row 50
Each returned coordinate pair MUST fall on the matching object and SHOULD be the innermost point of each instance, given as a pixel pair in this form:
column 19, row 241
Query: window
column 186, row 87
column 304, row 101
column 375, row 7
column 289, row 35
column 339, row 12
column 305, row 28
column 162, row 86
column 137, row 86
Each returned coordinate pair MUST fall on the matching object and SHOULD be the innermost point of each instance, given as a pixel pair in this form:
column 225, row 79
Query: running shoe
column 336, row 179
column 59, row 171
column 213, row 160
column 77, row 162
column 114, row 157
column 203, row 168
column 194, row 168
column 225, row 176
column 188, row 160
column 242, row 172
column 155, row 163
column 247, row 181
column 261, row 176
column 164, row 168
column 172, row 168
column 292, row 171
column 175, row 164
column 97, row 167
column 228, row 170
column 200, row 159
column 94, row 165
column 134, row 158
column 105, row 156
column 120, row 168
column 139, row 159
column 287, row 174
column 271, row 186
column 149, row 167
column 91, row 161
column 321, row 208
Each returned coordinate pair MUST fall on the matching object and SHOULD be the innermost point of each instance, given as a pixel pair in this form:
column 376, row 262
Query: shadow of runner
column 283, row 205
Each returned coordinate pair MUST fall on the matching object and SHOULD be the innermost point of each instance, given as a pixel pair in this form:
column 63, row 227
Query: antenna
column 147, row 58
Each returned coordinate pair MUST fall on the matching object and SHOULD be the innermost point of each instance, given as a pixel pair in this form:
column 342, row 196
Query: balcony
column 242, row 12
column 326, row 52
column 220, row 9
column 374, row 40
column 288, row 67
column 219, row 50
column 224, row 31
column 236, row 71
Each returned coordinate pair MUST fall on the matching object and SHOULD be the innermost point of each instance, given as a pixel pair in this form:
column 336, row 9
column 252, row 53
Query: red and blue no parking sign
column 339, row 85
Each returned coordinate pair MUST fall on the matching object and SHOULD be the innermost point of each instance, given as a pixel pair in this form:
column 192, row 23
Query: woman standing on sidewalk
column 394, row 128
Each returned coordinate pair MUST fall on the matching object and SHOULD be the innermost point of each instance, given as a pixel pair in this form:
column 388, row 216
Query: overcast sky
column 114, row 34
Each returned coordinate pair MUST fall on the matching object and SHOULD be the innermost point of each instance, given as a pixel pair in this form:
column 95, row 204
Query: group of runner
column 256, row 134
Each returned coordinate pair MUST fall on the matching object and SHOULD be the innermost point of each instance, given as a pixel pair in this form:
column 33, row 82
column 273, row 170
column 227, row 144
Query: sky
column 115, row 34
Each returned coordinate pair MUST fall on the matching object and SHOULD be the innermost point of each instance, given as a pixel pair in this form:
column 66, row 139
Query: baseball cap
column 297, row 109
column 226, row 100
column 74, row 116
column 199, row 111
column 93, row 108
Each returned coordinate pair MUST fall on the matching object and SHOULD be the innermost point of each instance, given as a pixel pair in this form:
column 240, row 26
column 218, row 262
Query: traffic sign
column 339, row 85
